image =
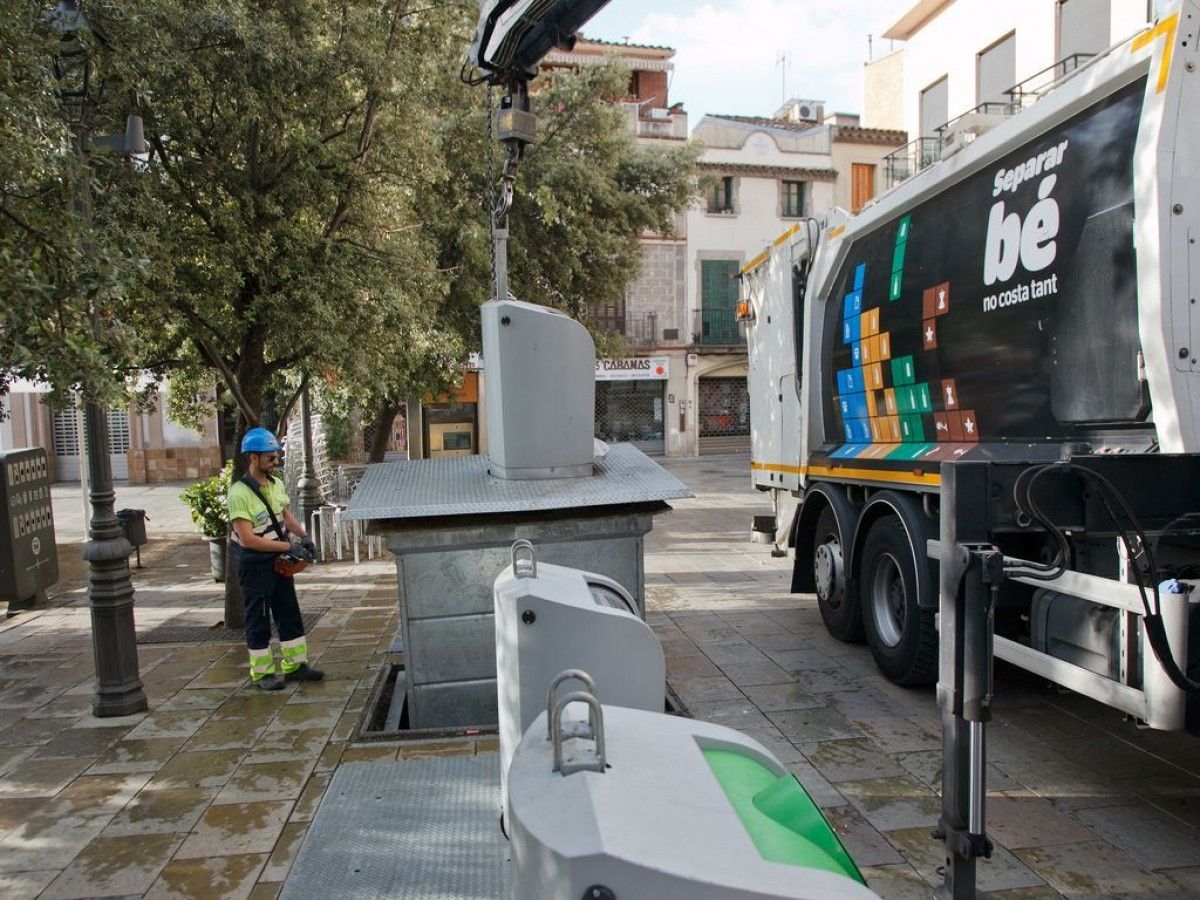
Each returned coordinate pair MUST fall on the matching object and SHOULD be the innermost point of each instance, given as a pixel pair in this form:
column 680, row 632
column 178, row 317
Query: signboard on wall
column 28, row 554
column 633, row 368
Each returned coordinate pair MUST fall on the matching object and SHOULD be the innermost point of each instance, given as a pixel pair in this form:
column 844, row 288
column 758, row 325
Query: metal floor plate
column 425, row 829
column 461, row 486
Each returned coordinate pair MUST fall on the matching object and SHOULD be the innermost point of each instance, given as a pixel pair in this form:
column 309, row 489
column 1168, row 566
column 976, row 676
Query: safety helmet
column 260, row 440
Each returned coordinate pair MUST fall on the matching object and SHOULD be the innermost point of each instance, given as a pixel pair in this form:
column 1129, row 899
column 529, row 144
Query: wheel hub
column 827, row 572
column 888, row 606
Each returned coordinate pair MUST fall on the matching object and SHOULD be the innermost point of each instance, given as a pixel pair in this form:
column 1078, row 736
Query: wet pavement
column 210, row 793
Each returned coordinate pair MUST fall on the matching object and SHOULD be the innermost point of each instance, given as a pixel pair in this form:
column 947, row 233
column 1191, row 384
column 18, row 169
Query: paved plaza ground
column 211, row 793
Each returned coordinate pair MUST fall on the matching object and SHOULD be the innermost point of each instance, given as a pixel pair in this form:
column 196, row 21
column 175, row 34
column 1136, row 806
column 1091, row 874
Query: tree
column 65, row 264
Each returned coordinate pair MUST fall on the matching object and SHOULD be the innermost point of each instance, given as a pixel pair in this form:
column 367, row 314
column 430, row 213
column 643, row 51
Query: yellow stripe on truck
column 766, row 254
column 1166, row 28
column 925, row 479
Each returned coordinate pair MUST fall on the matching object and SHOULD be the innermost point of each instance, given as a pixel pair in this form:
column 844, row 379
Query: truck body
column 1030, row 297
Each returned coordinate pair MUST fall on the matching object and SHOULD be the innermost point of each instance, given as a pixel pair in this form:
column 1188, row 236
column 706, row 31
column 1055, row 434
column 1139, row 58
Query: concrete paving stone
column 1188, row 879
column 926, row 767
column 169, row 724
column 774, row 697
column 781, row 748
column 29, row 731
column 892, row 803
column 850, row 760
column 286, row 746
column 344, row 728
column 226, row 734
column 825, row 681
column 331, row 691
column 1049, row 724
column 740, row 715
column 810, row 725
column 205, row 769
column 1110, row 757
column 734, row 649
column 145, row 755
column 1019, row 822
column 691, row 667
column 94, row 721
column 16, row 810
column 371, row 752
column 1003, row 871
column 421, row 749
column 1147, row 834
column 749, row 674
column 705, row 690
column 779, row 639
column 1095, row 867
column 896, row 734
column 286, row 848
column 42, row 777
column 11, row 757
column 1032, row 893
column 30, row 696
column 227, row 877
column 255, row 781
column 864, row 843
column 302, row 716
column 168, row 811
column 310, row 798
column 114, row 867
column 252, row 704
column 896, row 882
column 92, row 742
column 234, row 828
column 330, row 757
column 824, row 794
column 199, row 699
column 220, row 678
column 26, row 884
column 65, row 706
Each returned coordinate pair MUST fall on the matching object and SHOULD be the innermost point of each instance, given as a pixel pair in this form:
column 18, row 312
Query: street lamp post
column 308, row 486
column 110, row 589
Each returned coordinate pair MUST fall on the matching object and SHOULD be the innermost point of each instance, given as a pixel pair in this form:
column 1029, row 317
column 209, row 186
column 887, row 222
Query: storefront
column 631, row 401
column 724, row 418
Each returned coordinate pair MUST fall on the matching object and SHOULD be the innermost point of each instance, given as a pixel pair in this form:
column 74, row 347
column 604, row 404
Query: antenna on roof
column 870, row 48
column 783, row 61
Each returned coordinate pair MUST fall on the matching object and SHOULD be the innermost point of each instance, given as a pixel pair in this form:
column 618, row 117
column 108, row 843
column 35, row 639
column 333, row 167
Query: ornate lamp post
column 110, row 589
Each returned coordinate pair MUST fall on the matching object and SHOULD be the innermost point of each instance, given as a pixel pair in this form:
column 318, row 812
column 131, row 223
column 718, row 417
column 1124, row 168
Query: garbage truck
column 1028, row 299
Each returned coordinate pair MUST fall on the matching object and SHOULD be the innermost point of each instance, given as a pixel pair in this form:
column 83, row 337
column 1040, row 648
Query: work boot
column 269, row 683
column 304, row 673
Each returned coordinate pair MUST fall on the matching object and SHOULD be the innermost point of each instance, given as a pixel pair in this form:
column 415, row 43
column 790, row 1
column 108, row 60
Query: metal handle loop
column 526, row 548
column 566, row 675
column 595, row 722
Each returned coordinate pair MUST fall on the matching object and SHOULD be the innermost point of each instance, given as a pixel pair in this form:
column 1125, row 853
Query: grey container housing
column 451, row 522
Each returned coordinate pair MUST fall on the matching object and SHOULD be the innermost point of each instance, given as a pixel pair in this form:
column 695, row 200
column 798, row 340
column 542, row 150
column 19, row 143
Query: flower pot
column 217, row 548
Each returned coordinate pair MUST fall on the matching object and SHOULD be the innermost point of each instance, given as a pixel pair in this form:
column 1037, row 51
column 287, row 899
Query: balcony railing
column 638, row 329
column 717, row 327
column 923, row 152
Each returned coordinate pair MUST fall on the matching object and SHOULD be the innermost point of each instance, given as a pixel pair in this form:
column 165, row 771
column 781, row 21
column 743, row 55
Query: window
column 793, row 199
column 718, row 302
column 935, row 105
column 862, row 185
column 996, row 70
column 720, row 195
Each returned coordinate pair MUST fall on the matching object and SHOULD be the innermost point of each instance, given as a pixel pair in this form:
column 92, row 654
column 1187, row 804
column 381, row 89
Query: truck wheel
column 900, row 633
column 839, row 609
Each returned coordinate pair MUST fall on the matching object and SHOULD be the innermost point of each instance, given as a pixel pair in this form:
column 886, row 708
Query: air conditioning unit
column 554, row 618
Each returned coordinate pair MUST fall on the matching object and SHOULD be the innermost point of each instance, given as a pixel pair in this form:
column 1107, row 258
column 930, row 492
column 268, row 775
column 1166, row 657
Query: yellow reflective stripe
column 299, row 650
column 932, row 479
column 261, row 664
column 1166, row 28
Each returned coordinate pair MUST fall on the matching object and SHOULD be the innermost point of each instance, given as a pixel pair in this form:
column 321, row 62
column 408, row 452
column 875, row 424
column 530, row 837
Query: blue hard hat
column 260, row 440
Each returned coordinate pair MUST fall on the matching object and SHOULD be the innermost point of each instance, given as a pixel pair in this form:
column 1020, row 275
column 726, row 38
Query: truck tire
column 899, row 632
column 838, row 605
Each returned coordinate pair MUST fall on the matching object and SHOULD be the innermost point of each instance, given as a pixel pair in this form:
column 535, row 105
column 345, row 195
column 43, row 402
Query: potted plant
column 207, row 501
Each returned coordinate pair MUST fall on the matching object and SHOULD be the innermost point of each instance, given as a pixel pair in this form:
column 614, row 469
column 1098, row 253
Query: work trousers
column 267, row 595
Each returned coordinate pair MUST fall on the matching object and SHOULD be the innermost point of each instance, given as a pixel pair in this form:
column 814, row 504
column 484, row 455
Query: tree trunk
column 252, row 388
column 385, row 415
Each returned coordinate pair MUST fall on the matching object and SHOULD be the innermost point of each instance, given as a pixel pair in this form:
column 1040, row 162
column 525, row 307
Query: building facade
column 966, row 63
column 144, row 447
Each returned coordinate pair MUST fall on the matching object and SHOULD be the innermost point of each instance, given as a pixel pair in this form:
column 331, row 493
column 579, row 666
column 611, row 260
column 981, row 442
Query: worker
column 259, row 541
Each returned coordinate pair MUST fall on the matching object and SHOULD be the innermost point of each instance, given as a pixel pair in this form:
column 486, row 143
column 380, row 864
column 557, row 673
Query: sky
column 727, row 51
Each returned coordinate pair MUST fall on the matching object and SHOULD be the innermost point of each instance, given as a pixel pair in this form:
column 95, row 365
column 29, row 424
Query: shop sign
column 632, row 368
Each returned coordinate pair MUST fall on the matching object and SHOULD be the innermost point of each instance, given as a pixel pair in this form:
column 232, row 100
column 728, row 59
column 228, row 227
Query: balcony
column 638, row 329
column 717, row 327
column 902, row 164
column 646, row 122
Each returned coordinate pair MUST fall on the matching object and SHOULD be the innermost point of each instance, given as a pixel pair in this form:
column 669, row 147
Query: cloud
column 727, row 53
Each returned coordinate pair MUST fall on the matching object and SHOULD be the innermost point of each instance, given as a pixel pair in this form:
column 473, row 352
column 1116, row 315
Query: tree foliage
column 315, row 201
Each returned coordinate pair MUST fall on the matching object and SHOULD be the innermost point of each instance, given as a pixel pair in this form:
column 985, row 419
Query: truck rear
column 1031, row 299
